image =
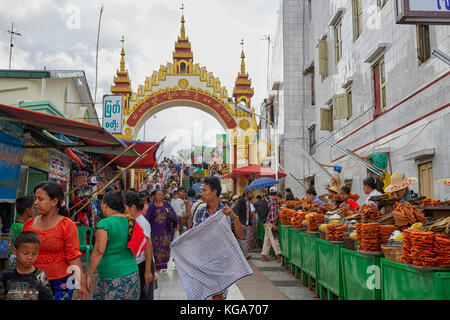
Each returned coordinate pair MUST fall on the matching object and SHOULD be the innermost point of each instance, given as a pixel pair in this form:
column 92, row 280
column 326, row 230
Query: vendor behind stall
column 372, row 187
column 400, row 187
column 333, row 188
column 311, row 195
column 347, row 201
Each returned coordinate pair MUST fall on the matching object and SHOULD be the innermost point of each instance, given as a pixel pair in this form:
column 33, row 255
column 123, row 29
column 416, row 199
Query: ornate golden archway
column 183, row 83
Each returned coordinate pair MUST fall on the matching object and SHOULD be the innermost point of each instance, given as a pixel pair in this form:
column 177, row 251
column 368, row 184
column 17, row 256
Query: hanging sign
column 422, row 11
column 59, row 166
column 113, row 113
column 36, row 157
column 10, row 160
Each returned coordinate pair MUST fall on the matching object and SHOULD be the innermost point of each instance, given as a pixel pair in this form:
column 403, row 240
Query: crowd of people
column 135, row 228
column 133, row 232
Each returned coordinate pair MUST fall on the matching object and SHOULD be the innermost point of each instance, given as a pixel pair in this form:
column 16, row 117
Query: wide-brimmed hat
column 445, row 181
column 335, row 184
column 399, row 181
column 235, row 197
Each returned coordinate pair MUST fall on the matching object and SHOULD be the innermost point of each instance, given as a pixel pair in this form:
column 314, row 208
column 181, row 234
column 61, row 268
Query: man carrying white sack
column 202, row 253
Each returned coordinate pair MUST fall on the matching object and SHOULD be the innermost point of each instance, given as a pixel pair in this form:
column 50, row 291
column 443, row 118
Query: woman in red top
column 347, row 201
column 59, row 253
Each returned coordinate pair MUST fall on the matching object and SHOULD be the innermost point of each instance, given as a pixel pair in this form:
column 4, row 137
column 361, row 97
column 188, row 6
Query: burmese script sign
column 182, row 95
column 422, row 11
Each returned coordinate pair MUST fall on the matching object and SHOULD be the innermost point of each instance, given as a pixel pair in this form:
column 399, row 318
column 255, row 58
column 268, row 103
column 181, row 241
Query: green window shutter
column 323, row 58
column 340, row 106
column 326, row 119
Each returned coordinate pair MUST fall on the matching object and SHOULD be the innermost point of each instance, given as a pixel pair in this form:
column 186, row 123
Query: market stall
column 366, row 254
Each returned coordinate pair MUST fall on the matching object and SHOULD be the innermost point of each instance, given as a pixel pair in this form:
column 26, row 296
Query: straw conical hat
column 335, row 185
column 399, row 181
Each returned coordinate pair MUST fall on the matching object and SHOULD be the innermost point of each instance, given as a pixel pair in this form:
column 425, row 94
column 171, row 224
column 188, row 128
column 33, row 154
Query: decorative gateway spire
column 122, row 83
column 243, row 90
column 183, row 56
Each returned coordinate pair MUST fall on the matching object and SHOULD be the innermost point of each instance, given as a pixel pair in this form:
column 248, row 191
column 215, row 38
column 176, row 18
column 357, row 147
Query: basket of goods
column 322, row 230
column 314, row 220
column 385, row 199
column 369, row 212
column 335, row 231
column 406, row 214
column 392, row 253
column 349, row 240
column 286, row 215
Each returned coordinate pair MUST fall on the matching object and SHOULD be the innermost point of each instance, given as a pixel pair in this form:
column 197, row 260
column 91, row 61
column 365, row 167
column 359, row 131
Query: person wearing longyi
column 400, row 187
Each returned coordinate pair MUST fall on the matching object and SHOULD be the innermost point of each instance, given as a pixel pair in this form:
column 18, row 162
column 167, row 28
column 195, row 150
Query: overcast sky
column 62, row 35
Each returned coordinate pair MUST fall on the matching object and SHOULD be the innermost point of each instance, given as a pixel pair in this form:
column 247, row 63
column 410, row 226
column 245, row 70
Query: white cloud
column 214, row 27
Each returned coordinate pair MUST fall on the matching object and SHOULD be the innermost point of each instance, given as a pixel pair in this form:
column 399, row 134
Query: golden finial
column 183, row 32
column 122, row 59
column 242, row 57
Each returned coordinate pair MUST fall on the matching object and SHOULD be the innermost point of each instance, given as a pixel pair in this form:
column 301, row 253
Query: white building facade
column 353, row 75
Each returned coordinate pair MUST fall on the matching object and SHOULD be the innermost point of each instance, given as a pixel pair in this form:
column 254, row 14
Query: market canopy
column 93, row 138
column 254, row 170
column 148, row 162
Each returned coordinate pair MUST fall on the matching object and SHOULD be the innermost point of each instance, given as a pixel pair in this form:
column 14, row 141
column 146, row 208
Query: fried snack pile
column 349, row 212
column 314, row 221
column 358, row 233
column 335, row 232
column 297, row 219
column 286, row 215
column 370, row 237
column 442, row 250
column 280, row 201
column 406, row 214
column 292, row 204
column 326, row 207
column 354, row 196
column 369, row 212
column 386, row 232
column 308, row 205
column 425, row 249
column 431, row 203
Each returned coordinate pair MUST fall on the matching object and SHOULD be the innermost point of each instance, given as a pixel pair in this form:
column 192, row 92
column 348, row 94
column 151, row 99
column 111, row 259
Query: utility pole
column 11, row 45
column 96, row 54
column 269, row 40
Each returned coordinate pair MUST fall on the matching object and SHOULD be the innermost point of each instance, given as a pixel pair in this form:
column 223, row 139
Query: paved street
column 270, row 281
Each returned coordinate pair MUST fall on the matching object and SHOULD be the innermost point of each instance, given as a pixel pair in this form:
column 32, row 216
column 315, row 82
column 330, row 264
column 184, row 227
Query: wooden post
column 98, row 171
column 117, row 176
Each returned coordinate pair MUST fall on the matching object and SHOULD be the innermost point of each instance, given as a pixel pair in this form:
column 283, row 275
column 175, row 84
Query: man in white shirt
column 156, row 185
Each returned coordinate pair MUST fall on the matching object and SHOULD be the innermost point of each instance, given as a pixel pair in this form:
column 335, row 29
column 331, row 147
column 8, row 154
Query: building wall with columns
column 413, row 126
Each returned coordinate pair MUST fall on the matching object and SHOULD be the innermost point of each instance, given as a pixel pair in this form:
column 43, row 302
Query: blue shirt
column 318, row 201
